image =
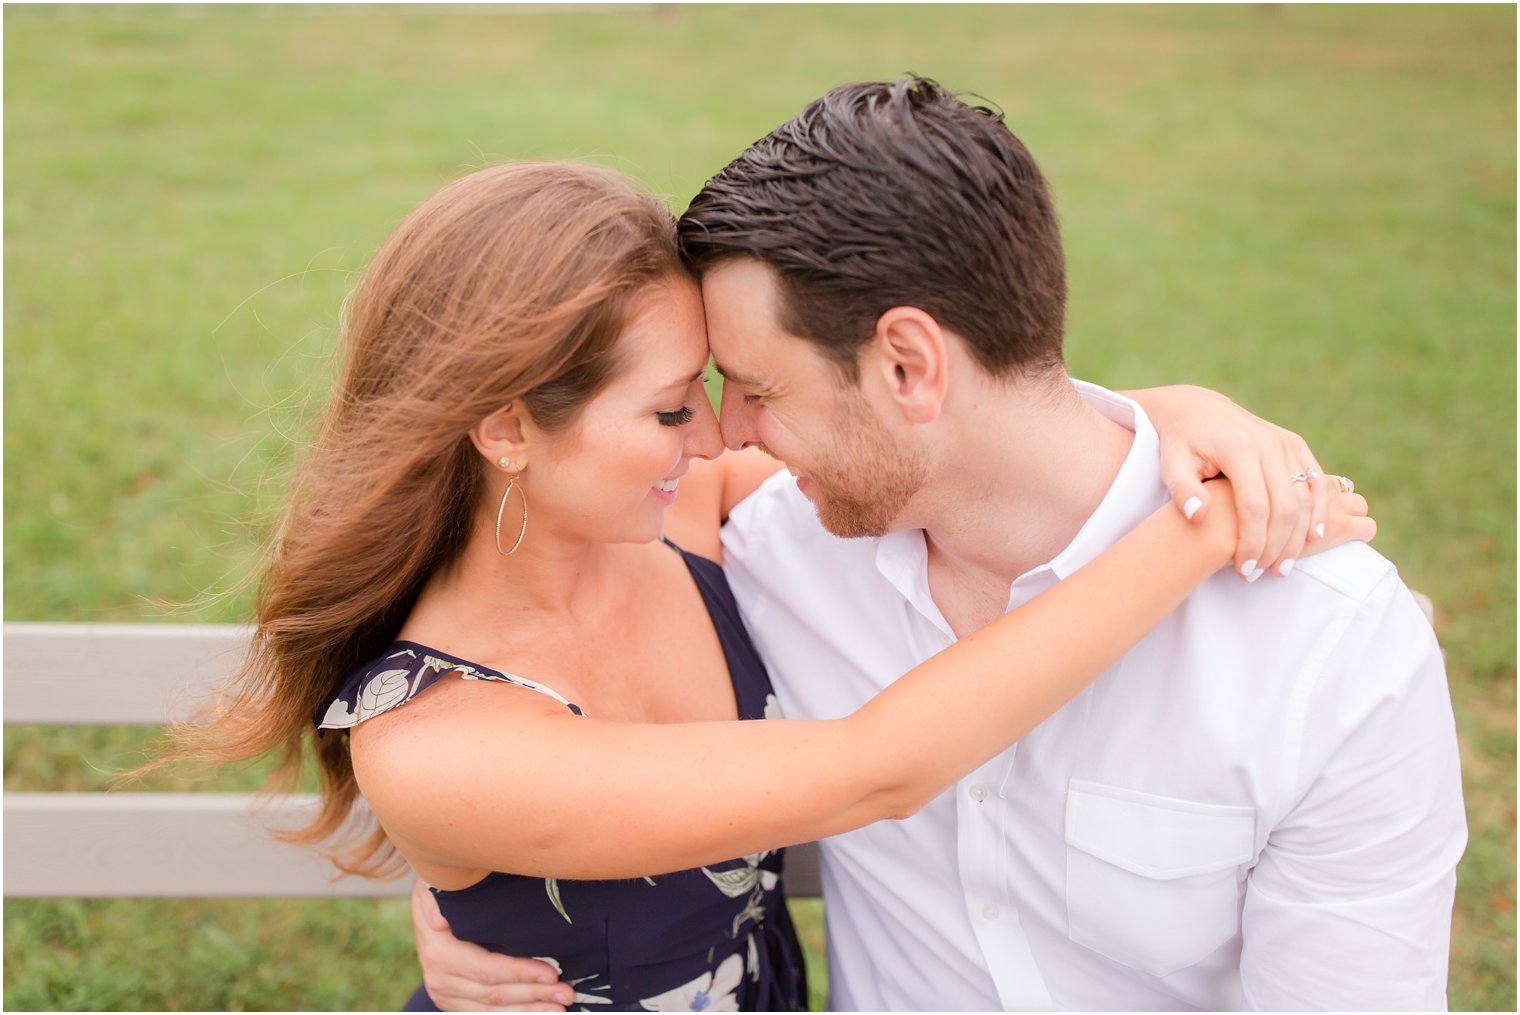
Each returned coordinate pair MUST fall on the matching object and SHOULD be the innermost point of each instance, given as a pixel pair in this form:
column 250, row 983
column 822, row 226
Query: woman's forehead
column 665, row 339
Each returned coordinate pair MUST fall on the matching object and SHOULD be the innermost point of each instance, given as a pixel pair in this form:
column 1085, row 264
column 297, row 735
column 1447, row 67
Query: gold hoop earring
column 502, row 509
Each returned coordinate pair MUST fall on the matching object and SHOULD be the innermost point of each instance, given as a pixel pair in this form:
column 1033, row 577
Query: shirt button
column 990, row 912
column 979, row 792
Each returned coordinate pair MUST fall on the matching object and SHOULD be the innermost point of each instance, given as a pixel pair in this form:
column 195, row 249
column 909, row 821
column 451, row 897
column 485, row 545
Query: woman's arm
column 1204, row 434
column 475, row 777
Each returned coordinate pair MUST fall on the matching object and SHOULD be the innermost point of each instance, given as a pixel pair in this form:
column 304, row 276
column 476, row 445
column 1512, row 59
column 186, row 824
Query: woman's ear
column 910, row 362
column 503, row 437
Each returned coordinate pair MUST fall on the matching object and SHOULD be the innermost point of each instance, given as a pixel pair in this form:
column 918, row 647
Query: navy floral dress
column 715, row 938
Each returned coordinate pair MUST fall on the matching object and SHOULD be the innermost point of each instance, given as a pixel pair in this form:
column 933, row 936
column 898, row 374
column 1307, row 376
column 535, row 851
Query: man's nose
column 736, row 421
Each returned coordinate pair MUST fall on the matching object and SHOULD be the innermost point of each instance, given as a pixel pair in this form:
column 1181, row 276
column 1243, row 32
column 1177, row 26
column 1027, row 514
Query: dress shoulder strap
column 403, row 672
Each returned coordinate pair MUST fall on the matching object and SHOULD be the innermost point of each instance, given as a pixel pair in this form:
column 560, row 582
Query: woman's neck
column 547, row 579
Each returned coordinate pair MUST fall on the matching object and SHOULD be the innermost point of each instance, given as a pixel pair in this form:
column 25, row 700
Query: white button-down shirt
column 1258, row 806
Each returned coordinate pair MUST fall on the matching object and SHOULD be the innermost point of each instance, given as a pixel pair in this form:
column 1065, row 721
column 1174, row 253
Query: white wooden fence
column 163, row 844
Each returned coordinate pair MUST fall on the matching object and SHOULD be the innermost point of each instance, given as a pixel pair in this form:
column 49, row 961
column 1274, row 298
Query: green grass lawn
column 1311, row 209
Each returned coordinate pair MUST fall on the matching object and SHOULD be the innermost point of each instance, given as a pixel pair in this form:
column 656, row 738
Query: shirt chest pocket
column 1153, row 882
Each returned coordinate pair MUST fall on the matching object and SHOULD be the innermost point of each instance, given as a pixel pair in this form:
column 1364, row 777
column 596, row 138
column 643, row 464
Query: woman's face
column 610, row 476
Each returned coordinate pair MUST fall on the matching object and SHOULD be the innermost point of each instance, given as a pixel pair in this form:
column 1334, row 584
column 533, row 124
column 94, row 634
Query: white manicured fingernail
column 1247, row 568
column 1286, row 567
column 1191, row 507
column 1256, row 574
column 1319, row 531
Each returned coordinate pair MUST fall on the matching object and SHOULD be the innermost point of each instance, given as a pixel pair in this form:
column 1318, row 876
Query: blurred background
column 1311, row 209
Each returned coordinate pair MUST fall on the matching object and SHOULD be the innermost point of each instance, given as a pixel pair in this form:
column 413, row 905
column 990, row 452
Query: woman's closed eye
column 679, row 417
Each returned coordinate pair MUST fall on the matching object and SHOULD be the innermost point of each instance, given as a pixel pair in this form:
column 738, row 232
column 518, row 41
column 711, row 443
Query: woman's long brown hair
column 512, row 282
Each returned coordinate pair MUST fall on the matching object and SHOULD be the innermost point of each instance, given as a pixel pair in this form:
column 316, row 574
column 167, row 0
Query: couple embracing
column 1062, row 747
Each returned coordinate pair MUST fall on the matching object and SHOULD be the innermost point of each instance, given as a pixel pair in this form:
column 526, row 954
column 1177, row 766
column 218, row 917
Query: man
column 1259, row 806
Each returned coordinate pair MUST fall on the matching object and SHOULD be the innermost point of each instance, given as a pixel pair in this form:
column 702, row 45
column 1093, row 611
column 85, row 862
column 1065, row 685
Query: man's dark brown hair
column 880, row 195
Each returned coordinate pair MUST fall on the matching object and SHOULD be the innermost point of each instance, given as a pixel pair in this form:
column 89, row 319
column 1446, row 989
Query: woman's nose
column 704, row 439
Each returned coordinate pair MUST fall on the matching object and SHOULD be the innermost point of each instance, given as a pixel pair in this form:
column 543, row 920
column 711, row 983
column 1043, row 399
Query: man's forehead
column 735, row 338
column 739, row 288
column 749, row 346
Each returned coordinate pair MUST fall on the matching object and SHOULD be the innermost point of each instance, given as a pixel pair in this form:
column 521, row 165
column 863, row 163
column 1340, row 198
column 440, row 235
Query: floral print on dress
column 551, row 886
column 740, row 880
column 750, row 879
column 712, row 991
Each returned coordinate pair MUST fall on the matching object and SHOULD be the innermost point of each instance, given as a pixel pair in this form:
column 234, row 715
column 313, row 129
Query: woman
column 475, row 537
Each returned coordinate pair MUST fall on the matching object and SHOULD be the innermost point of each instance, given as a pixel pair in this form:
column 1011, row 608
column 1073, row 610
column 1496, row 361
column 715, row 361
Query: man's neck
column 1029, row 464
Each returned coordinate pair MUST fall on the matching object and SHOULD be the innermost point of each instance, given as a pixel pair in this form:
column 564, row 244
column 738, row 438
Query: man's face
column 781, row 395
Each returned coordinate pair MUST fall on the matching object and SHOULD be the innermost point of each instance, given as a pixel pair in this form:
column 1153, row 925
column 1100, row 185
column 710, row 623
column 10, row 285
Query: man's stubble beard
column 867, row 479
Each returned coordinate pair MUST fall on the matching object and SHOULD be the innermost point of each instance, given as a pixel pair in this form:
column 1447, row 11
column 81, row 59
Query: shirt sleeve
column 1349, row 906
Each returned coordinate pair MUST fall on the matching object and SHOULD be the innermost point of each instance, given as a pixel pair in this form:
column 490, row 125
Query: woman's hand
column 1204, row 434
column 1346, row 520
column 461, row 976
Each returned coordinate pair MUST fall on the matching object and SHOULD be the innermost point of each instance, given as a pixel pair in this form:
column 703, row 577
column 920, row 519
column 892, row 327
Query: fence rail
column 163, row 844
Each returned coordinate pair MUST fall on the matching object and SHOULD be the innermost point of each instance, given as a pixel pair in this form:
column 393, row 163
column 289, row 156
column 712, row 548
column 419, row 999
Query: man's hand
column 1204, row 434
column 460, row 976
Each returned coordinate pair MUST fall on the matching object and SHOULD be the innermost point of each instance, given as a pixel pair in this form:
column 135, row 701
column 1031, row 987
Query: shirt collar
column 1136, row 491
column 903, row 557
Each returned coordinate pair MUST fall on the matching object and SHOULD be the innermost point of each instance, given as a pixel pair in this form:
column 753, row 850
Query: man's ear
column 911, row 362
column 505, row 436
